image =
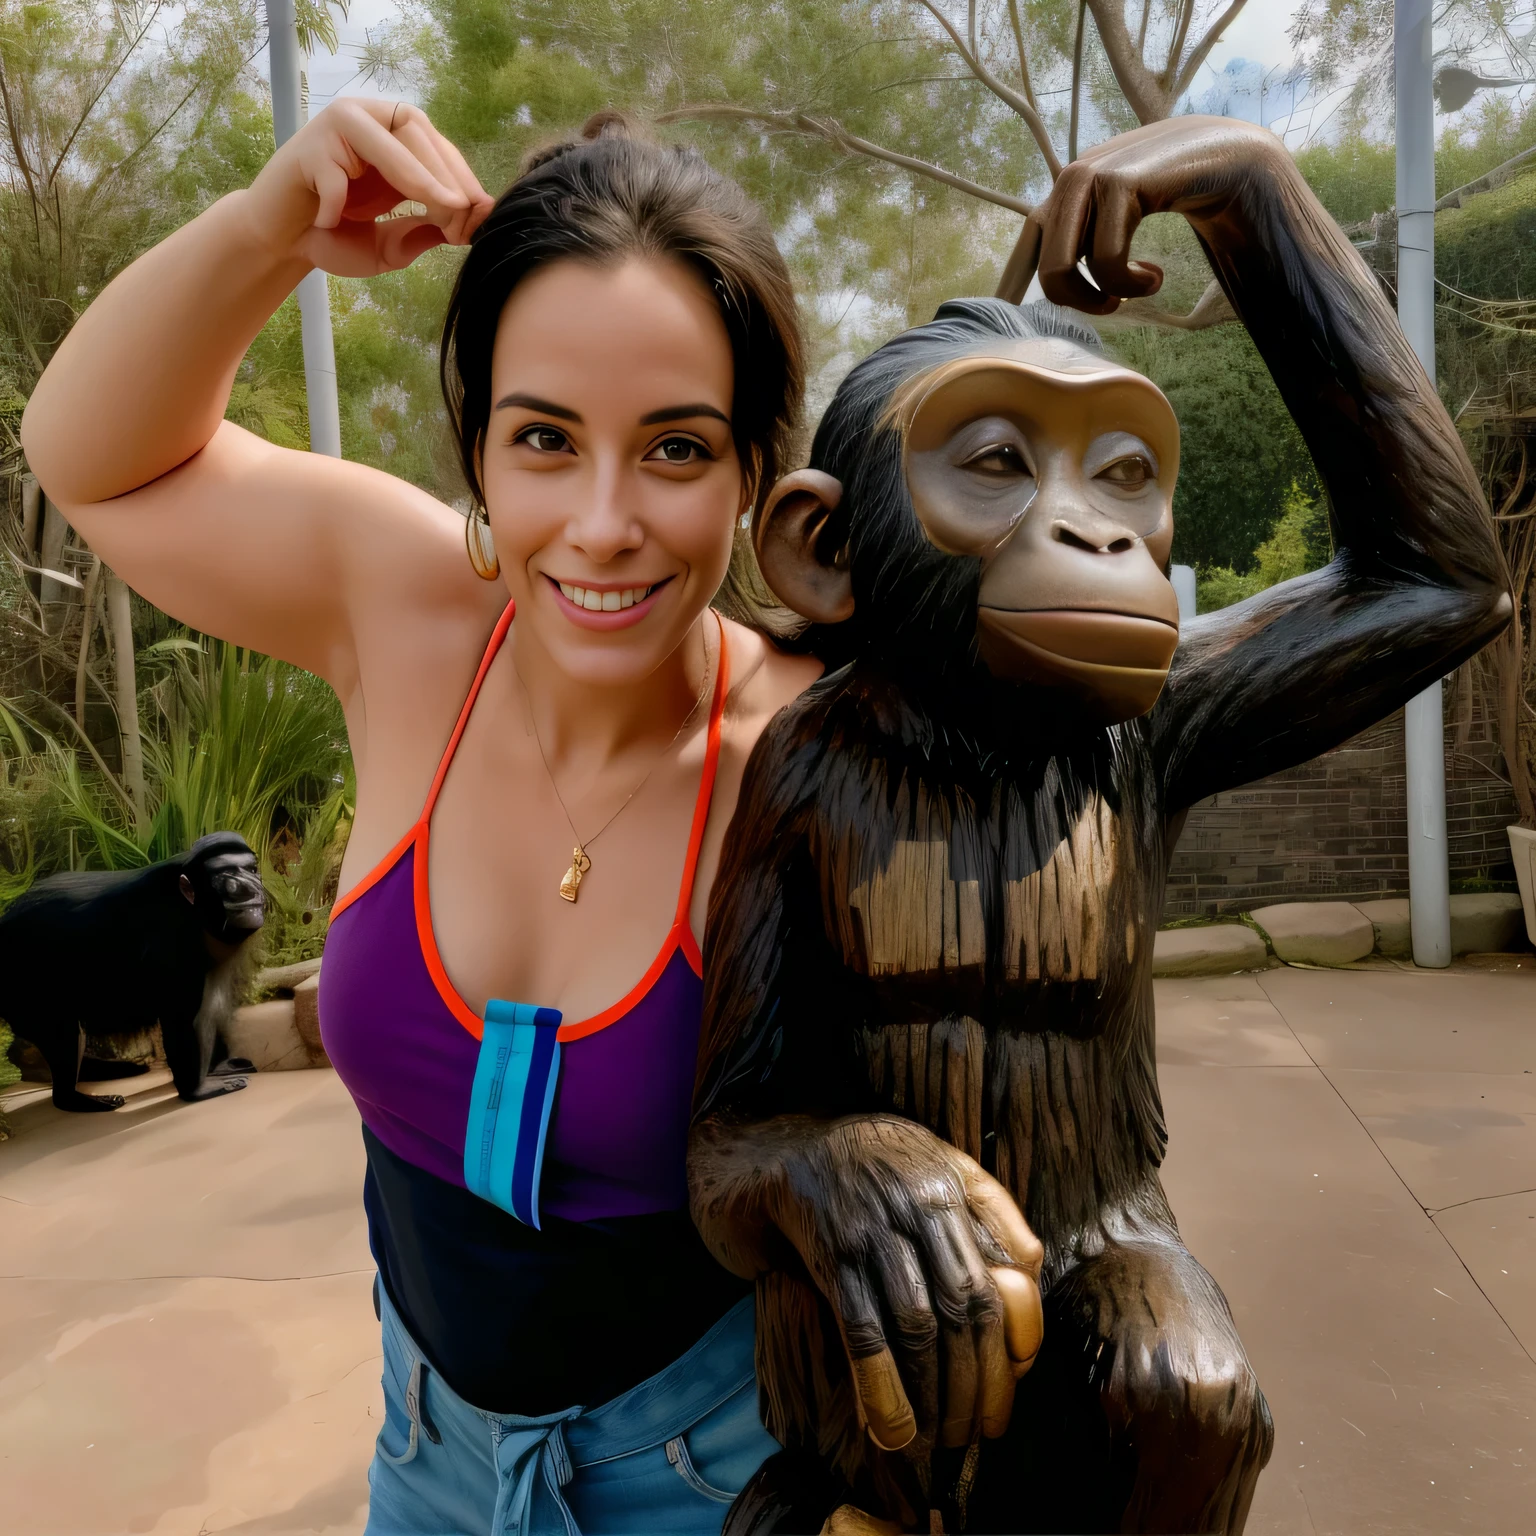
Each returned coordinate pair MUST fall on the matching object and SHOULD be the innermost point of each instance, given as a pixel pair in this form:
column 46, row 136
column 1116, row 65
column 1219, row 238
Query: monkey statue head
column 220, row 879
column 989, row 495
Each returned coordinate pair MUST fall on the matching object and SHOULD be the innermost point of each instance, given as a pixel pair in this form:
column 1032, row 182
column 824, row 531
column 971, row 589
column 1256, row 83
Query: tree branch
column 834, row 133
column 1212, row 309
column 1077, row 78
column 1183, row 17
column 1018, row 38
column 1191, row 66
column 1003, row 92
column 1142, row 89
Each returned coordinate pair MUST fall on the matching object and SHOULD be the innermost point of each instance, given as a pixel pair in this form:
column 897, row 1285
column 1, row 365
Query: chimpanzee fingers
column 1117, row 213
column 1023, row 1317
column 883, row 1402
column 913, row 1331
column 968, row 1309
column 1068, row 219
column 999, row 1214
column 997, row 1376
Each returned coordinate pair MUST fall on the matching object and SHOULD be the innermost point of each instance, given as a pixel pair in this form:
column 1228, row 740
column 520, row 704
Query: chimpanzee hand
column 924, row 1258
column 1196, row 166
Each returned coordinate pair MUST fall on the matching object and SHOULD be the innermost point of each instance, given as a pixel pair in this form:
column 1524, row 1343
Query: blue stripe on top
column 510, row 1106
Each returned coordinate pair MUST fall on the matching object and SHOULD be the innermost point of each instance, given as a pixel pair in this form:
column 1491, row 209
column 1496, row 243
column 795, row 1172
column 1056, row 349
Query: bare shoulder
column 763, row 680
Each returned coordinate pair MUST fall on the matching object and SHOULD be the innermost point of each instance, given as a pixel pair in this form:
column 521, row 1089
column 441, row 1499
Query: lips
column 600, row 609
column 1114, row 664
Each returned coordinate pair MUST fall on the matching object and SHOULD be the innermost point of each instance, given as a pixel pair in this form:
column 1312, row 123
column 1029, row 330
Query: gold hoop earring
column 481, row 547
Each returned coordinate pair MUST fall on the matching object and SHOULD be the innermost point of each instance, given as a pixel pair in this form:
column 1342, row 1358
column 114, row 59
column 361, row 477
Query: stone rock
column 1217, row 950
column 1317, row 932
column 284, row 978
column 1389, row 917
column 306, row 1019
column 1486, row 923
column 267, row 1034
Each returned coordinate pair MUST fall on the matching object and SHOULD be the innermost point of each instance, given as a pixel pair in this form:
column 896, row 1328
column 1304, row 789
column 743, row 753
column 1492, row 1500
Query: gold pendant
column 570, row 887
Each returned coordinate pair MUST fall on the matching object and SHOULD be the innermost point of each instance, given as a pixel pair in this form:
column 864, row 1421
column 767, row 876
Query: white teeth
column 604, row 602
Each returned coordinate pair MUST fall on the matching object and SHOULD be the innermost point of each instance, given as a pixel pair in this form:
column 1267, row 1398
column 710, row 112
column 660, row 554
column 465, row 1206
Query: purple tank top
column 406, row 1044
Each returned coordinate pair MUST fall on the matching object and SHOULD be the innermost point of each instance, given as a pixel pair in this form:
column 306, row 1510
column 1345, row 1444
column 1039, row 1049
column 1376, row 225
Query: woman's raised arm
column 125, row 429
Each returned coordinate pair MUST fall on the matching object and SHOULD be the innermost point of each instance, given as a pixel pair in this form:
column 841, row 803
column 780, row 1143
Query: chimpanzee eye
column 997, row 459
column 544, row 439
column 1128, row 474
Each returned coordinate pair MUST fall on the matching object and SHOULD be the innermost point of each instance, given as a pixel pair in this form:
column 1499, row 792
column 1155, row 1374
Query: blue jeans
column 667, row 1456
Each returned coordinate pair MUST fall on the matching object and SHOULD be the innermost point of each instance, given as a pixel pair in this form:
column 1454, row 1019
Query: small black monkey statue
column 113, row 953
column 927, row 1120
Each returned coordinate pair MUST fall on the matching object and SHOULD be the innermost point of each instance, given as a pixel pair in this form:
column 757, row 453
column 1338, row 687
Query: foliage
column 233, row 742
column 1300, row 542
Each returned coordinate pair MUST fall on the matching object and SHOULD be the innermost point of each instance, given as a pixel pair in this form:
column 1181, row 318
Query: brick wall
column 1334, row 827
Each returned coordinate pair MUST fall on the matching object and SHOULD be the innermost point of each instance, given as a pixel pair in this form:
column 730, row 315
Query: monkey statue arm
column 1417, row 583
column 882, row 1217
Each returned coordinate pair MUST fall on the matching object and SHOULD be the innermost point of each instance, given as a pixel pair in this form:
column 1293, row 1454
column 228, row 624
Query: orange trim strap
column 679, row 936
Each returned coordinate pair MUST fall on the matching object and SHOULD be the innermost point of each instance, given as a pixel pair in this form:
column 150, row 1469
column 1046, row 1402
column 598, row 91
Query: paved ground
column 187, row 1345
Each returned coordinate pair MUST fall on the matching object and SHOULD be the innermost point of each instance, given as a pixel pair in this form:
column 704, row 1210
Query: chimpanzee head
column 220, row 879
column 988, row 494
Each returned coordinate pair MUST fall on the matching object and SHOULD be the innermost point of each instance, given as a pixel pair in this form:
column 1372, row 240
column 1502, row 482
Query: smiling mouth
column 613, row 601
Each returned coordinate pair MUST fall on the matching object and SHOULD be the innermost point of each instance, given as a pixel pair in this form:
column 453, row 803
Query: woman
column 511, row 989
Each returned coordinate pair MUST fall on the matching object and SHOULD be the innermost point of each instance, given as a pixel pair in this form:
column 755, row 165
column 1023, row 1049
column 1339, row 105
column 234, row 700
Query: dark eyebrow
column 543, row 407
column 682, row 413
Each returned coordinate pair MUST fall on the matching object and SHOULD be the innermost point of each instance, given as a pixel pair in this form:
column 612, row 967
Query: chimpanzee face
column 1046, row 476
column 224, row 887
column 1056, row 472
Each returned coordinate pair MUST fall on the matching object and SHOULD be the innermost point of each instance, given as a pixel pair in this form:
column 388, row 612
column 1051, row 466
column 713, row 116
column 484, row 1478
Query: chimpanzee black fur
column 114, row 953
column 938, row 898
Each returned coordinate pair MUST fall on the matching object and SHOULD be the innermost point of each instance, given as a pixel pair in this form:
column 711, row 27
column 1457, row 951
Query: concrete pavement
column 187, row 1345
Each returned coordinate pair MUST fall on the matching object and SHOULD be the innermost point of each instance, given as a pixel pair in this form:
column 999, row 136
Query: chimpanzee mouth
column 247, row 918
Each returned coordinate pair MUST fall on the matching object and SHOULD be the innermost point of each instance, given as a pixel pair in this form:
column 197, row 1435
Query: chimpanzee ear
column 796, row 560
column 188, row 890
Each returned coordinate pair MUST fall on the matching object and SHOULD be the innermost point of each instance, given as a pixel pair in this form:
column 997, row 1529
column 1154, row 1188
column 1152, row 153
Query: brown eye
column 999, row 459
column 544, row 439
column 1128, row 474
column 679, row 450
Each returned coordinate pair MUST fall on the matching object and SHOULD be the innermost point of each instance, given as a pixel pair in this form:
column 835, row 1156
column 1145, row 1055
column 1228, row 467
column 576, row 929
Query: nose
column 604, row 523
column 1084, row 527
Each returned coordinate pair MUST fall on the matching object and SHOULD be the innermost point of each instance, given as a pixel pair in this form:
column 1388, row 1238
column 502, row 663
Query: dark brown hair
column 608, row 195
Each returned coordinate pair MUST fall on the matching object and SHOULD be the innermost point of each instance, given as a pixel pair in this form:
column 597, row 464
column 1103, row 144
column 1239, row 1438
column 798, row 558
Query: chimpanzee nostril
column 1076, row 540
column 1120, row 546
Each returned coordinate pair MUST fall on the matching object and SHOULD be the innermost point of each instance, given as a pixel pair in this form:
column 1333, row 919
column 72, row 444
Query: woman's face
column 610, row 474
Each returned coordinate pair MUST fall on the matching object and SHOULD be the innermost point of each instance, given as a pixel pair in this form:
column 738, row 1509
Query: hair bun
column 606, row 123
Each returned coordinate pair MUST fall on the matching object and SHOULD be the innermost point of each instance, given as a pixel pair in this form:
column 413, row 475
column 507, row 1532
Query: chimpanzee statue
column 110, row 954
column 928, row 1013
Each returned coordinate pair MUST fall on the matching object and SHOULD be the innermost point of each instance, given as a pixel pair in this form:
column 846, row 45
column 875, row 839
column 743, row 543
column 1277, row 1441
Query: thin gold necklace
column 581, row 862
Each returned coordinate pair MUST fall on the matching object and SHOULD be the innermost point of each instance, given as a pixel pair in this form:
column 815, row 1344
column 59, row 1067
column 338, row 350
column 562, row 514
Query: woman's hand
column 323, row 196
column 926, row 1261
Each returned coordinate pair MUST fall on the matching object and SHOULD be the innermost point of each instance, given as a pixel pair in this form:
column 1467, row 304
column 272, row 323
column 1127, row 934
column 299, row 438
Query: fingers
column 1066, row 222
column 883, row 1402
column 415, row 128
column 1091, row 218
column 1023, row 1318
column 998, row 1212
column 913, row 1330
column 998, row 1377
column 372, row 143
column 331, row 184
column 1117, row 212
column 400, row 241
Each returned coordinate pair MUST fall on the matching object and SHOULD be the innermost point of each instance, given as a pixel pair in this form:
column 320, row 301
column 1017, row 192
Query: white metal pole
column 314, row 298
column 1429, row 900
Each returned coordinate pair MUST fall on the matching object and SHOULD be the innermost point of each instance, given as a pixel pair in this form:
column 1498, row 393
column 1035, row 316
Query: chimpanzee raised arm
column 929, row 950
column 1416, row 585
